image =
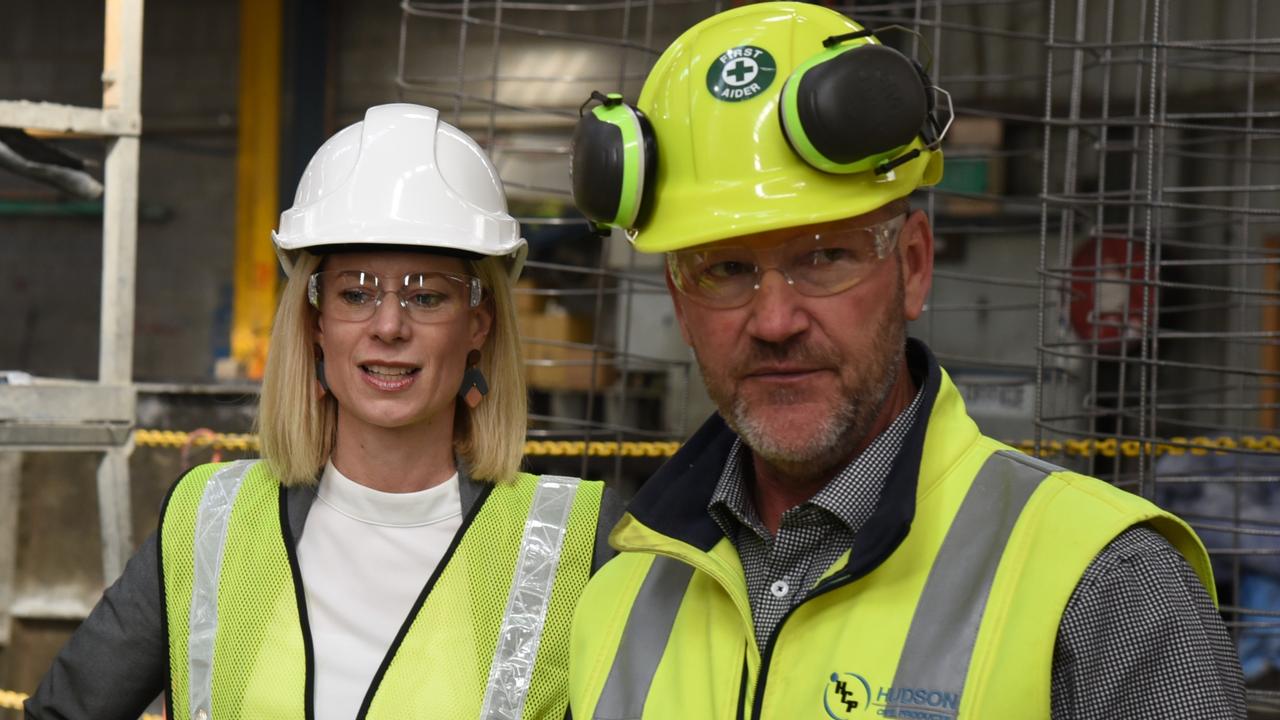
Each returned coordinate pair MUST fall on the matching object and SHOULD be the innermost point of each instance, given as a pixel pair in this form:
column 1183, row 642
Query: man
column 840, row 541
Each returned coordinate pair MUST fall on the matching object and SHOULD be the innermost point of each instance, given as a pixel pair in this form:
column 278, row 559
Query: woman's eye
column 425, row 300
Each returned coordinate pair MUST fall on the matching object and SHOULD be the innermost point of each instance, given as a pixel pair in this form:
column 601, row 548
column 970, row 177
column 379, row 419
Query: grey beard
column 832, row 441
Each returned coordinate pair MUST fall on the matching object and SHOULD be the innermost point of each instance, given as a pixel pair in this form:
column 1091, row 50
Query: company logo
column 846, row 694
column 850, row 695
column 741, row 73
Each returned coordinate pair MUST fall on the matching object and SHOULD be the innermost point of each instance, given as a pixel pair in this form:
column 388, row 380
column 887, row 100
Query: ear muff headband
column 833, row 129
column 612, row 164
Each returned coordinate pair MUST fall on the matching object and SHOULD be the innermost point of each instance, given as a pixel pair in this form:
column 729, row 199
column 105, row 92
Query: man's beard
column 837, row 434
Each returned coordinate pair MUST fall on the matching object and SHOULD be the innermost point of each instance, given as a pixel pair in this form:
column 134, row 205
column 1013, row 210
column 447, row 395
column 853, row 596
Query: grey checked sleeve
column 1141, row 639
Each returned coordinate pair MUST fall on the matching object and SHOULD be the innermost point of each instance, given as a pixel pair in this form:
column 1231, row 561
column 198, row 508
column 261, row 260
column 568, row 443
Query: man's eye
column 726, row 269
column 828, row 256
column 356, row 296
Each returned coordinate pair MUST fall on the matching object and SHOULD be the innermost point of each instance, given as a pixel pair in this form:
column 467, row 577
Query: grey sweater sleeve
column 114, row 664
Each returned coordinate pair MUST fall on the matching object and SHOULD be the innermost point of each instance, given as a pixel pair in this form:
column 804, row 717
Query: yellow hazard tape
column 1084, row 447
column 10, row 700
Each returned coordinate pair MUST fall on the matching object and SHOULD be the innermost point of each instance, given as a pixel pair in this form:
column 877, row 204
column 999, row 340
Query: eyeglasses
column 429, row 297
column 727, row 276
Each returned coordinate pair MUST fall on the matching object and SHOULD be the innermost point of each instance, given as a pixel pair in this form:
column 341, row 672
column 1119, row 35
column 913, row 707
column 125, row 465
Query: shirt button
column 202, row 714
column 780, row 588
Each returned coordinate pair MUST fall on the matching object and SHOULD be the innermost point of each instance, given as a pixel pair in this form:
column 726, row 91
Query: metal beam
column 257, row 178
column 1270, row 350
column 36, row 437
column 113, row 511
column 69, row 119
column 66, row 403
column 10, row 493
column 121, row 90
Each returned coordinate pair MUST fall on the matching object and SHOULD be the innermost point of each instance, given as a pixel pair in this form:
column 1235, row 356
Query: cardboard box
column 528, row 300
column 551, row 360
column 973, row 166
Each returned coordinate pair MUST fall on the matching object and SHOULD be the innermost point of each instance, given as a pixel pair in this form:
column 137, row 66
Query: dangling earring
column 474, row 386
column 324, row 385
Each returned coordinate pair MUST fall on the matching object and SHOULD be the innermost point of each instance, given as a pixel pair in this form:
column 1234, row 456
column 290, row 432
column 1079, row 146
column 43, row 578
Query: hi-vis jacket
column 947, row 605
column 472, row 647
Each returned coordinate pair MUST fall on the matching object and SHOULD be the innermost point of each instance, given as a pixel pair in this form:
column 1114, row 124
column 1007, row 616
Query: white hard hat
column 401, row 177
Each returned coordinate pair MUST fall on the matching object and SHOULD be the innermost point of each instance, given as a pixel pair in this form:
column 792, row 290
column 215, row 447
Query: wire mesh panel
column 514, row 75
column 1107, row 251
column 603, row 358
column 1161, row 241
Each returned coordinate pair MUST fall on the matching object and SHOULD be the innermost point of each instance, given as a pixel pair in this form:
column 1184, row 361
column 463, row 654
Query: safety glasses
column 428, row 297
column 816, row 265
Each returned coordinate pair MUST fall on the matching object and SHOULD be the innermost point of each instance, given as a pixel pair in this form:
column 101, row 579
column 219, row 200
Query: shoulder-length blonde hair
column 297, row 419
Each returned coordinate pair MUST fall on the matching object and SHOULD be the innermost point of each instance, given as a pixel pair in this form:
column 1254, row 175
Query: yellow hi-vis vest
column 958, row 622
column 488, row 637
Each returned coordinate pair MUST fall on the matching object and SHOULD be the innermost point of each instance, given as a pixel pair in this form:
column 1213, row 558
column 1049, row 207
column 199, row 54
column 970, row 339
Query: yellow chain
column 1111, row 447
column 1084, row 447
column 10, row 700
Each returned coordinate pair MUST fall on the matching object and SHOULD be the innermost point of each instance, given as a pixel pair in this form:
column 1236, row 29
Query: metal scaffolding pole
column 51, row 414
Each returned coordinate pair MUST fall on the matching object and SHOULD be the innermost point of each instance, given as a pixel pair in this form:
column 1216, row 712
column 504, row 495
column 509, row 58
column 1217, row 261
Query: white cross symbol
column 740, row 72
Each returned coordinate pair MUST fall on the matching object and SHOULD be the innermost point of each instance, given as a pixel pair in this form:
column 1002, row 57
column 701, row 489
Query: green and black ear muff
column 853, row 108
column 612, row 162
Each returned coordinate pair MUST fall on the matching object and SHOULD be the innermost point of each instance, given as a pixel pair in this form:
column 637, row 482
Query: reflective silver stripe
column 202, row 626
column 530, row 596
column 653, row 614
column 944, row 629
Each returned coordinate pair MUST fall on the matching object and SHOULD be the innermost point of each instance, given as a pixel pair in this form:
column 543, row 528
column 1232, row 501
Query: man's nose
column 777, row 310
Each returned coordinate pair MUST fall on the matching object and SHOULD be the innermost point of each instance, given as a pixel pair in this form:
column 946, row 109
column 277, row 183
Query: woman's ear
column 318, row 359
column 481, row 322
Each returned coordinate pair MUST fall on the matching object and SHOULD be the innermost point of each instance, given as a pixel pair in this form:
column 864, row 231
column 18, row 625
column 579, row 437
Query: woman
column 385, row 558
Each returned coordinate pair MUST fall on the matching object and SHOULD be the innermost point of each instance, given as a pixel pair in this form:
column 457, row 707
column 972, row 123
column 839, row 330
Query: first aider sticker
column 741, row 73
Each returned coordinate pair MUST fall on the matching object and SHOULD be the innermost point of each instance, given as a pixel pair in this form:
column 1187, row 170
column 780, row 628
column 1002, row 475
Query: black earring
column 320, row 373
column 474, row 386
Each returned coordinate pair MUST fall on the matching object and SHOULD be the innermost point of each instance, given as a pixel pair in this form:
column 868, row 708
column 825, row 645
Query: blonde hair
column 490, row 438
column 297, row 420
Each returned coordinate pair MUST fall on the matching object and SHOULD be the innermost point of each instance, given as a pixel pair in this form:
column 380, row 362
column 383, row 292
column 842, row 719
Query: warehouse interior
column 1106, row 293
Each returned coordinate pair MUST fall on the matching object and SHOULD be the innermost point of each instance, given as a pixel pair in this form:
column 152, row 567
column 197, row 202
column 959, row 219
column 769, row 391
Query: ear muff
column 612, row 162
column 854, row 108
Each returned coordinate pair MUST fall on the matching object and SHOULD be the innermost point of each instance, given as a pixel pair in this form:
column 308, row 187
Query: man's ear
column 915, row 250
column 677, row 302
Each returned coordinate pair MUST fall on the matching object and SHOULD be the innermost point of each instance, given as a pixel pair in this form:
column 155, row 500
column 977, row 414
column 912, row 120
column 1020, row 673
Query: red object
column 1107, row 288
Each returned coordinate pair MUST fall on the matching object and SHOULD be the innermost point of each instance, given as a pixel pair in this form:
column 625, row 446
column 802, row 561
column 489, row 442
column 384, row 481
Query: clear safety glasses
column 816, row 265
column 428, row 297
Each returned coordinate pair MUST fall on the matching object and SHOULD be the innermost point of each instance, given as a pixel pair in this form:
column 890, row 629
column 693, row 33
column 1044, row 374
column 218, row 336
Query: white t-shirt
column 365, row 556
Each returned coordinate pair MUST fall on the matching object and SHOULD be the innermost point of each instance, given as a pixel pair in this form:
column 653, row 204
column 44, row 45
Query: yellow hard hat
column 737, row 152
